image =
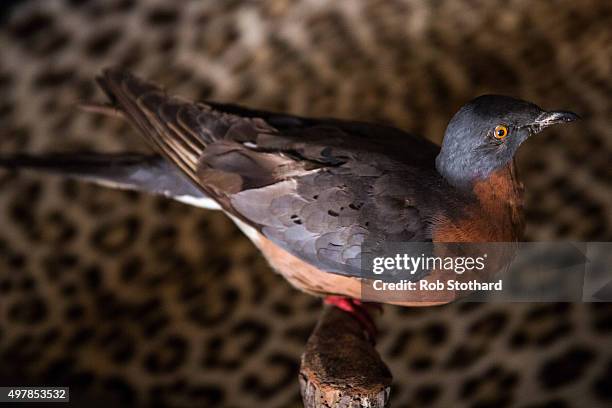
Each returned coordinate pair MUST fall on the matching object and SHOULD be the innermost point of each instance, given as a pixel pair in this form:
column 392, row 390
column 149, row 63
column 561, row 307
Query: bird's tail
column 97, row 167
column 127, row 171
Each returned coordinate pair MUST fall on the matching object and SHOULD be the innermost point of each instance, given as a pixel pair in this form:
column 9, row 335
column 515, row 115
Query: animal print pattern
column 135, row 300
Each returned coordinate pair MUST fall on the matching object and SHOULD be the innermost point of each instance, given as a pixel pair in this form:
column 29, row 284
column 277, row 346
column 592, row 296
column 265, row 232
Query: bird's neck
column 501, row 188
column 494, row 212
column 500, row 198
column 464, row 170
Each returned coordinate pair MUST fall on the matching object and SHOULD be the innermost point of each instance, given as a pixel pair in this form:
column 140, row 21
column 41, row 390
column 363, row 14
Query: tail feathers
column 67, row 162
column 138, row 172
column 91, row 166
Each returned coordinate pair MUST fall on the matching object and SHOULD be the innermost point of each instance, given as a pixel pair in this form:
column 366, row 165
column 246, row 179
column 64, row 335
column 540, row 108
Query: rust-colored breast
column 497, row 216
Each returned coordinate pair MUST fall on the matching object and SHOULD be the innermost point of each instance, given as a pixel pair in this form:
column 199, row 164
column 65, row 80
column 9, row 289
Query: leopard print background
column 134, row 300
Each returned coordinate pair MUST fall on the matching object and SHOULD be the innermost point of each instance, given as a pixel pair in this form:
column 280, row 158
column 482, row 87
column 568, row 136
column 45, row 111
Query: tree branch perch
column 340, row 367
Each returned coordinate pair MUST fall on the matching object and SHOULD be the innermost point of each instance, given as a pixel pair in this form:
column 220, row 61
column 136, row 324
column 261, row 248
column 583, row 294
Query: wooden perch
column 340, row 367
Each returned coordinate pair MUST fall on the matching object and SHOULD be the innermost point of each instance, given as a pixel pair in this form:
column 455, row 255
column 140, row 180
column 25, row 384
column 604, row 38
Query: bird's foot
column 359, row 310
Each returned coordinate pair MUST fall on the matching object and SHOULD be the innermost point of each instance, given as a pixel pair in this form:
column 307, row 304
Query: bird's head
column 486, row 133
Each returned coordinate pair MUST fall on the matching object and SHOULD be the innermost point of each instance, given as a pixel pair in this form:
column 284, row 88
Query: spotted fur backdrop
column 133, row 300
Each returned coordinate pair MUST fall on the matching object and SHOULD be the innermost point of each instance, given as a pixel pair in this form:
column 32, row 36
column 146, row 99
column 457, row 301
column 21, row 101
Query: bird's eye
column 501, row 132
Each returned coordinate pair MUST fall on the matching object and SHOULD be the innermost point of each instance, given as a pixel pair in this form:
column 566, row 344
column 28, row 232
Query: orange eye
column 501, row 132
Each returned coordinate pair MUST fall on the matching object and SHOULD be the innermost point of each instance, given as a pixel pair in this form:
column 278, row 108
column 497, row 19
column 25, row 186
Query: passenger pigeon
column 308, row 192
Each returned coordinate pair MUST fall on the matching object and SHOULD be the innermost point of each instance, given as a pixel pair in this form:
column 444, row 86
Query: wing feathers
column 318, row 188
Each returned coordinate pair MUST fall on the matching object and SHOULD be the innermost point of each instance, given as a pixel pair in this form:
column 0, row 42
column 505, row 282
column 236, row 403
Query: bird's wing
column 317, row 188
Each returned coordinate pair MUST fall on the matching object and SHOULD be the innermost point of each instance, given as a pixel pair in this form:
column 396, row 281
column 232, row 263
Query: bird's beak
column 547, row 119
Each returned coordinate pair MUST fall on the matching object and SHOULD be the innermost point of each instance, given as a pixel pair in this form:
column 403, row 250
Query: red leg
column 359, row 311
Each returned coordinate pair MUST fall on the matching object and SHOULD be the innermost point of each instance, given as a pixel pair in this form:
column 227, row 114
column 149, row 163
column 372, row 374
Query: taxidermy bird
column 308, row 192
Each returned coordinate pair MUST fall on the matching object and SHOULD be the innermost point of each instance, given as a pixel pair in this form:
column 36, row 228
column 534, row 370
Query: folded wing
column 319, row 188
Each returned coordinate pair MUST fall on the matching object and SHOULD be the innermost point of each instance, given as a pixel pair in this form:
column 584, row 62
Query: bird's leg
column 359, row 310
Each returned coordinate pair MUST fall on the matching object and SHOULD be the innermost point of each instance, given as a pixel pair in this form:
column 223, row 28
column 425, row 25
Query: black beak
column 547, row 119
